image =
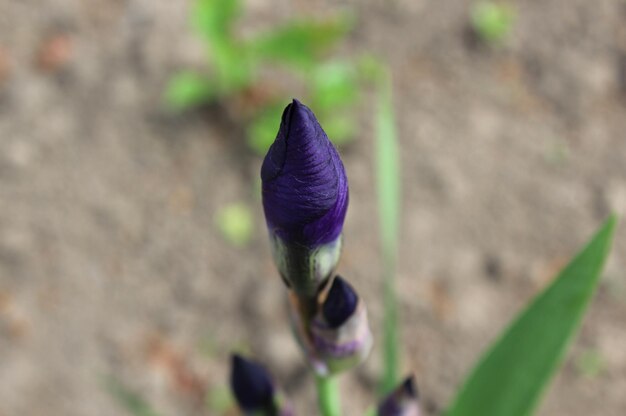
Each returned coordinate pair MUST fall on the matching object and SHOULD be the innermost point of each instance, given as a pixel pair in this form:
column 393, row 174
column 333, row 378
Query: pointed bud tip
column 299, row 118
column 340, row 303
column 250, row 383
column 403, row 401
column 304, row 184
column 409, row 387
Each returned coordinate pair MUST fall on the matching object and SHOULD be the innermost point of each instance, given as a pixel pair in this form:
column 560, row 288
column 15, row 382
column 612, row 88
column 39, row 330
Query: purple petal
column 305, row 189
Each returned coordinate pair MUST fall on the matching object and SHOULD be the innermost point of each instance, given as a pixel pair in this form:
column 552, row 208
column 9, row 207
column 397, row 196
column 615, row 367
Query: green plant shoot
column 512, row 376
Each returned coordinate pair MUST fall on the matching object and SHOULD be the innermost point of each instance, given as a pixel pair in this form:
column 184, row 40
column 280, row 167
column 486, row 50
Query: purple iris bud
column 340, row 303
column 305, row 198
column 251, row 385
column 403, row 401
column 338, row 337
column 305, row 189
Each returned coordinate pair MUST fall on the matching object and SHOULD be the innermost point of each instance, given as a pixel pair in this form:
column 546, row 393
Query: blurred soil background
column 111, row 264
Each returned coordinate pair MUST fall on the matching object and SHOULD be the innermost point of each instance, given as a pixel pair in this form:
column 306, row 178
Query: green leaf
column 263, row 129
column 388, row 168
column 234, row 70
column 371, row 69
column 132, row 402
column 213, row 19
column 299, row 42
column 388, row 187
column 236, row 223
column 339, row 126
column 510, row 379
column 492, row 21
column 188, row 89
column 335, row 84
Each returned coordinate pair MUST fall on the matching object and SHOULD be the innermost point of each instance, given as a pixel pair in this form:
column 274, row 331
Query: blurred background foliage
column 121, row 221
column 303, row 46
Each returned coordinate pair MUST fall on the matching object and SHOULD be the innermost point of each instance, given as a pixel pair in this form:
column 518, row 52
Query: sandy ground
column 111, row 265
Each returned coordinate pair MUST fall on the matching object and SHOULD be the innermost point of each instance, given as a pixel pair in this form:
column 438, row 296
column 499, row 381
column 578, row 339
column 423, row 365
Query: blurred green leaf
column 188, row 89
column 263, row 129
column 590, row 363
column 335, row 84
column 300, row 42
column 219, row 400
column 213, row 19
column 233, row 67
column 132, row 402
column 334, row 90
column 510, row 379
column 371, row 411
column 371, row 69
column 339, row 126
column 388, row 187
column 236, row 223
column 491, row 20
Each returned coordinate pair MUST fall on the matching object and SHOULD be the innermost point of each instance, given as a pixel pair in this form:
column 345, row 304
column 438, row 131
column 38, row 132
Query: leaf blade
column 389, row 196
column 511, row 378
column 300, row 42
column 213, row 19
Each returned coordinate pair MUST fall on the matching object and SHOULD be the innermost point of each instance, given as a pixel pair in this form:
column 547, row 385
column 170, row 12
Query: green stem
column 389, row 190
column 390, row 338
column 328, row 396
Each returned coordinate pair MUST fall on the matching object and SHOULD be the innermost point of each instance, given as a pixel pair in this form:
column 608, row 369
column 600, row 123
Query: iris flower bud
column 402, row 401
column 305, row 198
column 340, row 333
column 254, row 390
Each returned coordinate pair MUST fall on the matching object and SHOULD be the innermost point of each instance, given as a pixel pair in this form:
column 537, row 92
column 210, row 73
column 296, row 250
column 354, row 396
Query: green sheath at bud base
column 305, row 269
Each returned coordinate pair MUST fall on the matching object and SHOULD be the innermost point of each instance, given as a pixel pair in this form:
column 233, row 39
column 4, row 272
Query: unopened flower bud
column 403, row 401
column 305, row 199
column 254, row 390
column 340, row 332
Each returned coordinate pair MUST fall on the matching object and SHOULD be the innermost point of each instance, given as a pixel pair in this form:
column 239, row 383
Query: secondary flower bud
column 340, row 332
column 305, row 198
column 402, row 401
column 254, row 390
column 340, row 303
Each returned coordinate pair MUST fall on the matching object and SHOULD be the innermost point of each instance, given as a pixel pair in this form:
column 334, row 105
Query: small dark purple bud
column 409, row 388
column 339, row 336
column 305, row 189
column 251, row 385
column 403, row 401
column 340, row 303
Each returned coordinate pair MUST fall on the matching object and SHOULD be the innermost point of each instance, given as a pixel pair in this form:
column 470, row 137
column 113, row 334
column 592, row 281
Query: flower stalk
column 305, row 200
column 328, row 395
